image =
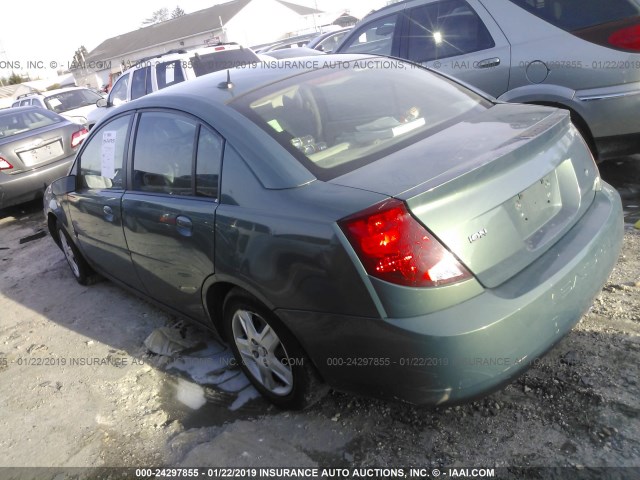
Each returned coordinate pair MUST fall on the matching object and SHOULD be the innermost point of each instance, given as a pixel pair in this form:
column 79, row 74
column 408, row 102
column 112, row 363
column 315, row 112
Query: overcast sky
column 50, row 32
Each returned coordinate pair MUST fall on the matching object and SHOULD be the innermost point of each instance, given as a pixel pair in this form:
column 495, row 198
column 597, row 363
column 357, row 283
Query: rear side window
column 574, row 15
column 169, row 73
column 15, row 123
column 375, row 37
column 163, row 154
column 102, row 158
column 445, row 29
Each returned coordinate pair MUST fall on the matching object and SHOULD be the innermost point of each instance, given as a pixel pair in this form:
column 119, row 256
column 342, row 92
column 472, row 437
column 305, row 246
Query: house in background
column 247, row 22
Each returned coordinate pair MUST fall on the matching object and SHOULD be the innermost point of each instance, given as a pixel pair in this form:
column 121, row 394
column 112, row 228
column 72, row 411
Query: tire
column 269, row 355
column 80, row 269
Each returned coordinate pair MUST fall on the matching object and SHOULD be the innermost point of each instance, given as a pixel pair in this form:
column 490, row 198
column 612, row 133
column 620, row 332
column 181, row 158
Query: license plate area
column 537, row 205
column 41, row 154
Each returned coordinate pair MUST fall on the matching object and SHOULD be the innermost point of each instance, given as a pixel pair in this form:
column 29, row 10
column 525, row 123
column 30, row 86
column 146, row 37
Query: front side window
column 336, row 120
column 102, row 158
column 141, row 83
column 330, row 43
column 118, row 93
column 375, row 37
column 445, row 29
column 163, row 154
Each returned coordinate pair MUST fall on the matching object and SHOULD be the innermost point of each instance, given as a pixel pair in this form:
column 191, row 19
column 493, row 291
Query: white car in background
column 173, row 67
column 73, row 103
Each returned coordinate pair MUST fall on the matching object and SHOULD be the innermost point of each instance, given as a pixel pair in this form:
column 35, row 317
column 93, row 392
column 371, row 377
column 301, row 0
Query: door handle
column 108, row 213
column 184, row 226
column 489, row 63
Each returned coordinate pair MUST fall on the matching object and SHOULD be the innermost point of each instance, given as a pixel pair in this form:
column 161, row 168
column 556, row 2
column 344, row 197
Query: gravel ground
column 79, row 388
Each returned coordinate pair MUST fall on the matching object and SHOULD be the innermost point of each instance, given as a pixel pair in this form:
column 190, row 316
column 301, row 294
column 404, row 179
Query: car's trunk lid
column 36, row 148
column 498, row 190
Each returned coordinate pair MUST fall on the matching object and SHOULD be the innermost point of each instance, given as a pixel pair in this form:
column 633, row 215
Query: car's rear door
column 459, row 38
column 169, row 209
column 95, row 205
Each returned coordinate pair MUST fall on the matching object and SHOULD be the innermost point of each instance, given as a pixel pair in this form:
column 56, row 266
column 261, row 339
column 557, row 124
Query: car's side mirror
column 102, row 102
column 64, row 185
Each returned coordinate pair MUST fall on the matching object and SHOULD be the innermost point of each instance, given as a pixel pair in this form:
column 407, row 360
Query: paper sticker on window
column 170, row 74
column 108, row 154
column 54, row 102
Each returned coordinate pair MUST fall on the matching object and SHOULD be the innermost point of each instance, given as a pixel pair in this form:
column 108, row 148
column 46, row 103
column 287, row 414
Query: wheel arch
column 215, row 292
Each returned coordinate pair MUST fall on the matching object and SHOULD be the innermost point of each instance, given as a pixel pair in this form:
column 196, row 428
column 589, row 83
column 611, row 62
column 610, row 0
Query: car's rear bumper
column 472, row 348
column 29, row 185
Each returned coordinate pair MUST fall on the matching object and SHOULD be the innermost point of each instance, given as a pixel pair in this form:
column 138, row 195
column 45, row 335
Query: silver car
column 580, row 55
column 36, row 147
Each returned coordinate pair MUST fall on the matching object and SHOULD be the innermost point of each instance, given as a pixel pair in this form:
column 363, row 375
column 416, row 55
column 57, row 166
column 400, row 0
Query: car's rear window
column 339, row 118
column 15, row 123
column 222, row 60
column 572, row 15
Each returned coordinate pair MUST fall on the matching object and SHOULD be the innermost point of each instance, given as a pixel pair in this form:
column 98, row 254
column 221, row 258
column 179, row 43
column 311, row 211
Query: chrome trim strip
column 609, row 96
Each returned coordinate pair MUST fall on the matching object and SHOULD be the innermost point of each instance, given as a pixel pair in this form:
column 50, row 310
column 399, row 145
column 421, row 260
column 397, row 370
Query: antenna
column 228, row 85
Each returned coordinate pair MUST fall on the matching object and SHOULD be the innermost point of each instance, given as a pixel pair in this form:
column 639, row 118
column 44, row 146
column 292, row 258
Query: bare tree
column 158, row 16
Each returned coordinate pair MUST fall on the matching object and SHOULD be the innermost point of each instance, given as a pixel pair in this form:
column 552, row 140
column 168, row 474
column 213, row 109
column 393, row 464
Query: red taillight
column 78, row 137
column 5, row 165
column 626, row 38
column 219, row 49
column 393, row 246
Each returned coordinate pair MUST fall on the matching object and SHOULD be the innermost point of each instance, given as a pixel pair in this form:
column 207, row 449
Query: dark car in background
column 353, row 221
column 327, row 42
column 583, row 56
column 36, row 147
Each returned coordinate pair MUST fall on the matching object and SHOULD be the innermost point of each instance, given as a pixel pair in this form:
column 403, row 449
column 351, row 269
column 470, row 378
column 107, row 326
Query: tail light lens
column 622, row 35
column 78, row 137
column 393, row 246
column 5, row 165
column 626, row 38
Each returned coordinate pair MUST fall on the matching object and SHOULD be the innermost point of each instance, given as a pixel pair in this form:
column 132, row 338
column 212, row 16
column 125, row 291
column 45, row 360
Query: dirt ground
column 78, row 387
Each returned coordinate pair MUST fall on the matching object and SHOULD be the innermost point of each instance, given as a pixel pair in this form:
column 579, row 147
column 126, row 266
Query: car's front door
column 95, row 205
column 459, row 38
column 169, row 210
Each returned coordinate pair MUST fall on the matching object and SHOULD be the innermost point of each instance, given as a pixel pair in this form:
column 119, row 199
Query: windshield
column 71, row 99
column 13, row 123
column 334, row 120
